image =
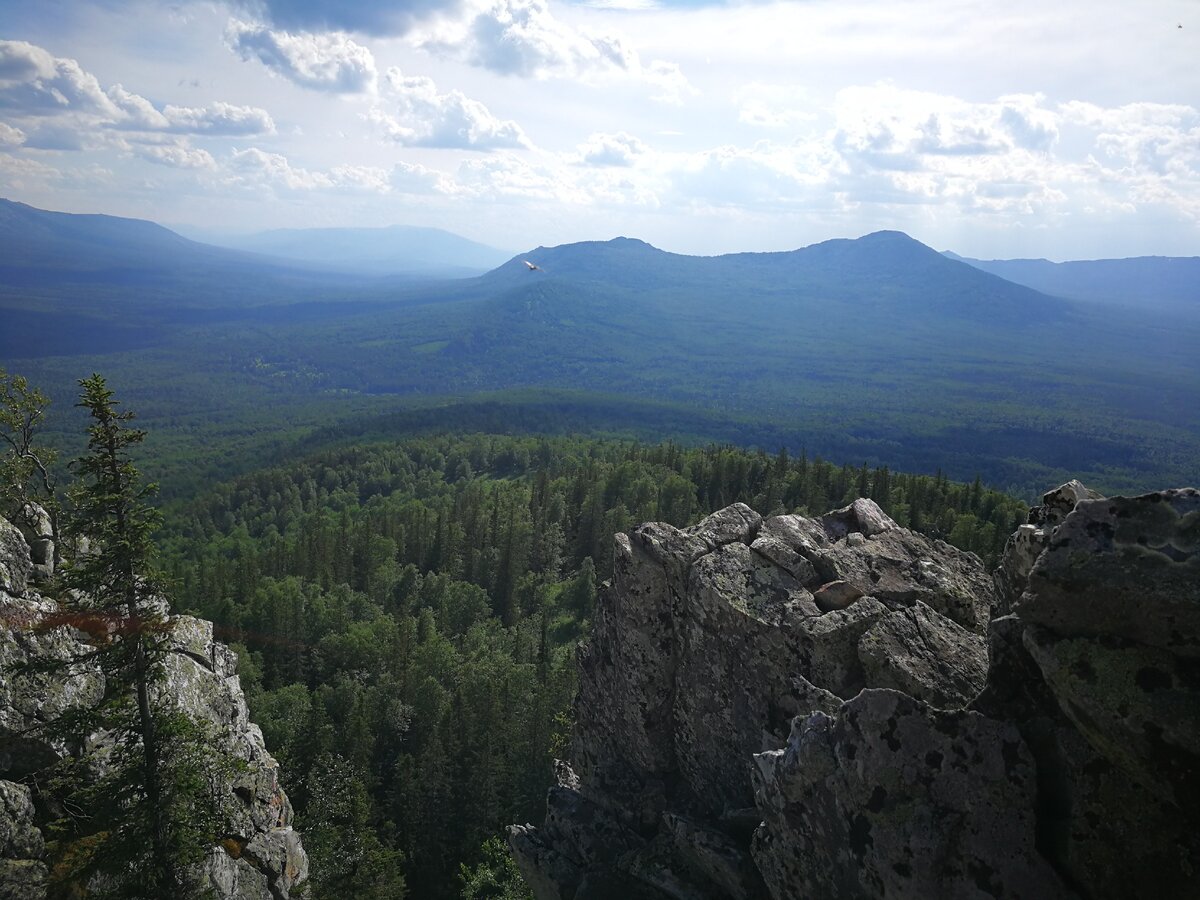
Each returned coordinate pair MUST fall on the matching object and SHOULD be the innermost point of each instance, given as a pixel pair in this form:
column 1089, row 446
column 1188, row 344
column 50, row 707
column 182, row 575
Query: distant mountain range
column 1142, row 282
column 877, row 349
column 394, row 250
column 884, row 271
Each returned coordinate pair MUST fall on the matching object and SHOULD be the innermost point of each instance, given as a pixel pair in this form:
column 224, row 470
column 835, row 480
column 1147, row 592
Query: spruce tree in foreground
column 148, row 787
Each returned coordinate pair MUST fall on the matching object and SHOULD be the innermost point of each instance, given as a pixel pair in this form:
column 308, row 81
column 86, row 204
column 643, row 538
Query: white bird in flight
column 532, row 267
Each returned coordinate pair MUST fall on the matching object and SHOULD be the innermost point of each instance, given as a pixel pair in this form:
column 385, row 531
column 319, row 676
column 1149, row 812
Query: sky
column 1064, row 130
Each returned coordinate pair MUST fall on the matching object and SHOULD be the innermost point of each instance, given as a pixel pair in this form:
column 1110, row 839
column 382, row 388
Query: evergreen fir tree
column 151, row 776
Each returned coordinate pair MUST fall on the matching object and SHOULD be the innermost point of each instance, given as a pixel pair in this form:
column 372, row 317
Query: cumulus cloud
column 764, row 176
column 620, row 149
column 10, row 137
column 138, row 112
column 410, row 178
column 892, row 128
column 322, row 62
column 1153, row 137
column 225, row 119
column 256, row 167
column 382, row 18
column 523, row 38
column 20, row 174
column 33, row 82
column 427, row 118
column 52, row 134
column 506, row 176
column 69, row 109
column 177, row 156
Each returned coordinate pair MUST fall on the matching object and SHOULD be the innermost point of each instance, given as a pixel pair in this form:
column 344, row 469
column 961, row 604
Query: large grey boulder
column 708, row 643
column 38, row 530
column 1097, row 666
column 891, row 798
column 15, row 564
column 1105, row 550
column 926, row 655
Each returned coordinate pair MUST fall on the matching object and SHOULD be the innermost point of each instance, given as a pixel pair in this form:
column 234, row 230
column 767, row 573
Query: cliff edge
column 263, row 859
column 838, row 707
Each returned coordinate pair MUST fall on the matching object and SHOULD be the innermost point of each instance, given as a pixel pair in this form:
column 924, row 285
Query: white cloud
column 177, row 156
column 508, row 176
column 409, row 178
column 21, row 174
column 138, row 113
column 375, row 17
column 69, row 110
column 258, row 168
column 225, row 119
column 523, row 38
column 427, row 118
column 255, row 166
column 32, row 82
column 11, row 137
column 764, row 176
column 56, row 134
column 323, row 62
column 620, row 149
column 668, row 80
column 1150, row 137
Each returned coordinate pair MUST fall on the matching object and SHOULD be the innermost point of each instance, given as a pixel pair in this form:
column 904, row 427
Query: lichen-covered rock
column 1084, row 584
column 263, row 860
column 1095, row 665
column 715, row 858
column 888, row 748
column 707, row 644
column 926, row 655
column 862, row 516
column 31, row 697
column 22, row 869
column 38, row 530
column 892, row 798
column 15, row 564
column 889, row 563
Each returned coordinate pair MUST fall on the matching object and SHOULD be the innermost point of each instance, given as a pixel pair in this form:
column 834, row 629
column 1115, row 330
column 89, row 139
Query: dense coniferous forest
column 406, row 615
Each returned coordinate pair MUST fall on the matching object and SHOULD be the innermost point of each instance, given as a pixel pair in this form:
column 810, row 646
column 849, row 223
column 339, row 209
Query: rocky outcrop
column 837, row 707
column 263, row 859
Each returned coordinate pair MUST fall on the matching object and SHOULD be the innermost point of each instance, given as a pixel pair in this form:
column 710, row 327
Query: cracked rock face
column 264, row 860
column 837, row 707
column 890, row 798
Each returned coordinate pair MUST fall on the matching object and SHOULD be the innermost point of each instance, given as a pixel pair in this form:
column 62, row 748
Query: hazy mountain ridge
column 885, row 270
column 1152, row 283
